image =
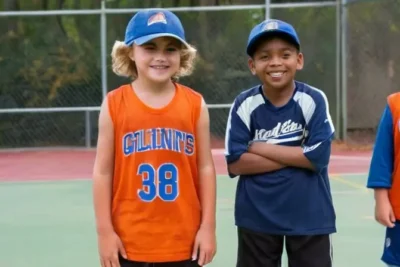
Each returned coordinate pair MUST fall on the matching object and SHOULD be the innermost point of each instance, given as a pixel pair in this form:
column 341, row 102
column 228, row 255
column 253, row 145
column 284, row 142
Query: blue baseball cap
column 153, row 23
column 271, row 27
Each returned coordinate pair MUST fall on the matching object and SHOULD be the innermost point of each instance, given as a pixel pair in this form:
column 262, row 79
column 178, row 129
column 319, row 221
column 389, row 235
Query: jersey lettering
column 161, row 183
column 158, row 139
column 288, row 131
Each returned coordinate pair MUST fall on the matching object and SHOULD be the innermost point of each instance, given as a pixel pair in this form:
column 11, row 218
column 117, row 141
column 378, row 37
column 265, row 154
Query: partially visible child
column 154, row 179
column 278, row 141
column 384, row 178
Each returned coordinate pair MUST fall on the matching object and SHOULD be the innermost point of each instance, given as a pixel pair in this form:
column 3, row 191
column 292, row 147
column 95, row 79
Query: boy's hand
column 384, row 212
column 204, row 246
column 110, row 246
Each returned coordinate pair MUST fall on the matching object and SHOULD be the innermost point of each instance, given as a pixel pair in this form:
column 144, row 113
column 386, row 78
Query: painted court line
column 349, row 183
column 44, row 181
column 369, row 217
column 356, row 158
column 351, row 174
column 46, row 149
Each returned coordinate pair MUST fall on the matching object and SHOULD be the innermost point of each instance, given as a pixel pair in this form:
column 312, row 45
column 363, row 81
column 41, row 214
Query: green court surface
column 51, row 224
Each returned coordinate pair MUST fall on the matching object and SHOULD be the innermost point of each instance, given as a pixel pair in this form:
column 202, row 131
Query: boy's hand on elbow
column 256, row 147
column 110, row 247
column 384, row 213
column 205, row 246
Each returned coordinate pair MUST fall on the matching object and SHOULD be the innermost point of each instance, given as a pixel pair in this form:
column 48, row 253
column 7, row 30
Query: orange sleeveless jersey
column 394, row 192
column 155, row 203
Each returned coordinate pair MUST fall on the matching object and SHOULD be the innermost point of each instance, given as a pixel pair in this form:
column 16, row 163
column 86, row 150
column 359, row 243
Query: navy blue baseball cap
column 153, row 23
column 271, row 27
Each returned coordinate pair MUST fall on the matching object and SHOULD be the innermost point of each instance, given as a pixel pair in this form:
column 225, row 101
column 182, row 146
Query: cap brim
column 251, row 46
column 144, row 39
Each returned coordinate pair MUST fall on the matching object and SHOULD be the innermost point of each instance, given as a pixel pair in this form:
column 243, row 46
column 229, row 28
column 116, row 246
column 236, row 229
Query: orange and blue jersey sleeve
column 381, row 168
column 317, row 145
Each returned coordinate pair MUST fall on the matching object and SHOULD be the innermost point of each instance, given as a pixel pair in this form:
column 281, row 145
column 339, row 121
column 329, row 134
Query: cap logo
column 157, row 18
column 272, row 25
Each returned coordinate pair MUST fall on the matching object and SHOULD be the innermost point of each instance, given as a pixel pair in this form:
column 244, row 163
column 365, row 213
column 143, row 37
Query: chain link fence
column 55, row 60
column 221, row 71
column 373, row 64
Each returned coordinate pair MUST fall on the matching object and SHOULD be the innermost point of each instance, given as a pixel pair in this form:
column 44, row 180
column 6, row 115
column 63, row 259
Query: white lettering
column 279, row 132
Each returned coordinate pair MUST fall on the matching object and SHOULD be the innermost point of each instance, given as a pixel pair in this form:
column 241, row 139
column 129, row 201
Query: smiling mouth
column 159, row 67
column 276, row 74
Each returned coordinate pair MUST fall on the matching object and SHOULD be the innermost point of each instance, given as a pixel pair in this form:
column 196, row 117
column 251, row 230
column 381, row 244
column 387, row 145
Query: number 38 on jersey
column 158, row 183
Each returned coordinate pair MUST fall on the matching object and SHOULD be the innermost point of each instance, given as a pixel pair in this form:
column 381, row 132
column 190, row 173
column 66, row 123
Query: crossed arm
column 263, row 157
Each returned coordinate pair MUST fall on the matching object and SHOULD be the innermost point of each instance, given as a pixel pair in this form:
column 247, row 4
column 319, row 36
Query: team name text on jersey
column 281, row 129
column 158, row 139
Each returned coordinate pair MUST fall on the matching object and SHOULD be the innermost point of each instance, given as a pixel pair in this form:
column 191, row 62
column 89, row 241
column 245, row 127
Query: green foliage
column 54, row 61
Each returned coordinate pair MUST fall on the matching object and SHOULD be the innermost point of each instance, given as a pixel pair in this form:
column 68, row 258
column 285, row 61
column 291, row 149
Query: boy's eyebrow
column 172, row 42
column 280, row 49
column 149, row 43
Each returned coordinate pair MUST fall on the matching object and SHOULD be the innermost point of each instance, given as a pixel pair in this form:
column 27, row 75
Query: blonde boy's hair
column 123, row 65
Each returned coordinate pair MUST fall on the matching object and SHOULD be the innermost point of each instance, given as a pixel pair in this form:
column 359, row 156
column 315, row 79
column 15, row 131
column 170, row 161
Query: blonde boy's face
column 157, row 60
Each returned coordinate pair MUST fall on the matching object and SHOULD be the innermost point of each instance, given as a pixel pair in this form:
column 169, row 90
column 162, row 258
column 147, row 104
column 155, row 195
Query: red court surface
column 78, row 164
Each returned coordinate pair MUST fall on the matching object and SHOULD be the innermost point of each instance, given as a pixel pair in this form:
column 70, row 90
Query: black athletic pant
column 263, row 250
column 189, row 263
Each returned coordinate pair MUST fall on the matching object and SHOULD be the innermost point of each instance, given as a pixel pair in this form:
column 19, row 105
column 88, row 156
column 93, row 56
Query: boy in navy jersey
column 278, row 140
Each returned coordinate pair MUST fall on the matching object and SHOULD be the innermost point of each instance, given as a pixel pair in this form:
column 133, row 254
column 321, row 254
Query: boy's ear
column 300, row 61
column 252, row 68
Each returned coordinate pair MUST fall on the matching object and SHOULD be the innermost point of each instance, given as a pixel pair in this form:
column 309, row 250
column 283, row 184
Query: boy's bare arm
column 381, row 169
column 205, row 243
column 103, row 171
column 286, row 155
column 110, row 244
column 250, row 163
column 383, row 209
column 206, row 167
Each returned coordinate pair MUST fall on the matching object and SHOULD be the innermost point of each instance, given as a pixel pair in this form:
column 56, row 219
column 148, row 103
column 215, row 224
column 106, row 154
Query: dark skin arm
column 285, row 155
column 250, row 163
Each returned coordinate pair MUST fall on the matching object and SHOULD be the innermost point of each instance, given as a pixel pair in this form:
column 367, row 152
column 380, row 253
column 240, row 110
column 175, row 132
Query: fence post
column 88, row 129
column 267, row 9
column 338, row 106
column 343, row 19
column 103, row 45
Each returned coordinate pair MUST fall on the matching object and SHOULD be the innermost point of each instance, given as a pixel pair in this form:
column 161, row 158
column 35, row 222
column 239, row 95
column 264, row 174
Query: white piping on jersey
column 282, row 140
column 228, row 129
column 328, row 114
column 307, row 105
column 248, row 106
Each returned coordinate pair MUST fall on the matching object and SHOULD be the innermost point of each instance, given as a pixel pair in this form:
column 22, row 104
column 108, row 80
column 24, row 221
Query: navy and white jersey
column 289, row 201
